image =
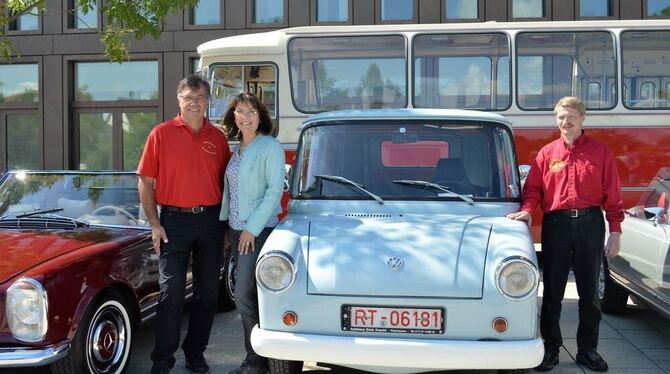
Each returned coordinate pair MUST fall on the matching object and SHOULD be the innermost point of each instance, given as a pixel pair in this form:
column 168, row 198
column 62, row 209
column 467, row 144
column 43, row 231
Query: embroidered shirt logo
column 556, row 165
column 209, row 147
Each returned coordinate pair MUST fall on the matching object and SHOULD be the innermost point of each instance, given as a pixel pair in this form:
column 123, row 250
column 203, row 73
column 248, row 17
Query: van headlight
column 26, row 307
column 517, row 278
column 275, row 271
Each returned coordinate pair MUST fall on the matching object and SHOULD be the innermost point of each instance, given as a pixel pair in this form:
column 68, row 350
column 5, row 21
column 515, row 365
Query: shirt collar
column 179, row 122
column 577, row 143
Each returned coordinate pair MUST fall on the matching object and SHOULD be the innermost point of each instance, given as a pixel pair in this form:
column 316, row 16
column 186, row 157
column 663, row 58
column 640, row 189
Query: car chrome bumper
column 419, row 354
column 21, row 357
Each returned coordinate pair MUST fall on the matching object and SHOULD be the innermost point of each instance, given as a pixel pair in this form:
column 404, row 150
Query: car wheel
column 284, row 367
column 613, row 297
column 102, row 342
column 227, row 285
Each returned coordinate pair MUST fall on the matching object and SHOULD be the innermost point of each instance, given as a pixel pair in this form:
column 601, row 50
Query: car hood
column 398, row 256
column 22, row 250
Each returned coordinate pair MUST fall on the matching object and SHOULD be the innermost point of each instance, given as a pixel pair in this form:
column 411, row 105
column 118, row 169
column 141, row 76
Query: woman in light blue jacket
column 252, row 191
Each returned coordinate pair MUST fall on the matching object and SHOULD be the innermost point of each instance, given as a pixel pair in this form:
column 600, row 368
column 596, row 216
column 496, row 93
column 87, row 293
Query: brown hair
column 571, row 102
column 194, row 82
column 265, row 124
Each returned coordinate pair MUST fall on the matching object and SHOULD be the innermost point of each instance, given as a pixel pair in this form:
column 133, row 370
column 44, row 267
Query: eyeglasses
column 246, row 113
column 191, row 99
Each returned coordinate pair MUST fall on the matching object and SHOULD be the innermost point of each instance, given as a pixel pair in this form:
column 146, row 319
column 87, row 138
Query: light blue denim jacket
column 261, row 183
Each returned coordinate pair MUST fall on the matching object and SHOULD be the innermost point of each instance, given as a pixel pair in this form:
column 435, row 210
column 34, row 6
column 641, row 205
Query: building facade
column 63, row 106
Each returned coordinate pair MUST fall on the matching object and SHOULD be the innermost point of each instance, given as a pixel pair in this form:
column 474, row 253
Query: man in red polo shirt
column 573, row 178
column 181, row 170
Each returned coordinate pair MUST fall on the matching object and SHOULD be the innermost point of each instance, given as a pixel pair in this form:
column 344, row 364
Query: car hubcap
column 106, row 343
column 230, row 277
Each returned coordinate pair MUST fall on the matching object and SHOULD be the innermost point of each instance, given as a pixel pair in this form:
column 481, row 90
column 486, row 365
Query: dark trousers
column 246, row 295
column 576, row 242
column 190, row 236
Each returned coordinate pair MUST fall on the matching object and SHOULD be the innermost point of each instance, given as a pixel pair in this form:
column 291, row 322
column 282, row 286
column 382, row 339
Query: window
column 596, row 8
column 462, row 9
column 657, row 8
column 397, row 10
column 115, row 107
column 77, row 19
column 104, row 81
column 329, row 73
column 207, row 12
column 553, row 65
column 229, row 80
column 19, row 83
column 646, row 69
column 329, row 11
column 23, row 141
column 268, row 11
column 528, row 9
column 462, row 71
column 26, row 22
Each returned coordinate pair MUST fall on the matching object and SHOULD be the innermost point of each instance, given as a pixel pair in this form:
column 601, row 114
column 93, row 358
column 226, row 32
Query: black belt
column 192, row 210
column 574, row 213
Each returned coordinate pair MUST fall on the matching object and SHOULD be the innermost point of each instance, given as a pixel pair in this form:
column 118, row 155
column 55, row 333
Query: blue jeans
column 246, row 295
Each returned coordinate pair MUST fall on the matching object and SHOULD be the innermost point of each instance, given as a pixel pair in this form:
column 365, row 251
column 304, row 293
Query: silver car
column 395, row 255
column 642, row 268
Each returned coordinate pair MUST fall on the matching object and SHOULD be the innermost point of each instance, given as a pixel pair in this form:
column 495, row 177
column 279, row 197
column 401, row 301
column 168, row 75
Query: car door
column 644, row 243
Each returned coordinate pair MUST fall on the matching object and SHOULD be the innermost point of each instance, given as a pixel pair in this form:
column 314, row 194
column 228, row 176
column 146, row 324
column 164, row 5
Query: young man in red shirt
column 572, row 179
column 184, row 160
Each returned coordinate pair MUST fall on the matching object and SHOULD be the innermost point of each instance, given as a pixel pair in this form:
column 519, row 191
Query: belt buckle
column 196, row 209
column 574, row 213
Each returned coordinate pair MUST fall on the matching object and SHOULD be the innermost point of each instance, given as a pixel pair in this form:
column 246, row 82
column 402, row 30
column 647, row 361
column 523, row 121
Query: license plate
column 410, row 320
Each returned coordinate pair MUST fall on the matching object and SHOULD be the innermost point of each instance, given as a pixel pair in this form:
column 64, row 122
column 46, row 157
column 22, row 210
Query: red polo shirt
column 188, row 167
column 576, row 177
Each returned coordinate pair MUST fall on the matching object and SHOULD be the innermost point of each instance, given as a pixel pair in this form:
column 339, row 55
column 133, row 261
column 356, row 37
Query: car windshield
column 96, row 198
column 406, row 160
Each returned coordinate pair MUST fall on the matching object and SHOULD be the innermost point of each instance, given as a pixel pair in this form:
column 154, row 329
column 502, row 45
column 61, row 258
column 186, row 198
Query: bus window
column 331, row 73
column 646, row 69
column 551, row 65
column 461, row 71
column 229, row 80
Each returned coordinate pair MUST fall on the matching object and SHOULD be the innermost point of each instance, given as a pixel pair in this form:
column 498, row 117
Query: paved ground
column 638, row 341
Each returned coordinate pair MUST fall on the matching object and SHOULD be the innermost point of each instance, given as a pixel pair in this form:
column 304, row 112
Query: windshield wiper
column 420, row 183
column 48, row 212
column 338, row 179
column 38, row 211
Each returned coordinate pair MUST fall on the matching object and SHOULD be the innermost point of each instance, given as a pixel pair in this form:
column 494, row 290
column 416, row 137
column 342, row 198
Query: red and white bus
column 621, row 69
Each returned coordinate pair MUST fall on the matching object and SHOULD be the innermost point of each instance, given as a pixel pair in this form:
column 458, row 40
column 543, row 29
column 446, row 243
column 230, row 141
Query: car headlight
column 26, row 307
column 517, row 278
column 275, row 271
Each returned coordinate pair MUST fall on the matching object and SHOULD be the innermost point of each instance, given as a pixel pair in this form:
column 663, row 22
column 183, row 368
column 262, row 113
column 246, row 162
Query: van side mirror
column 523, row 173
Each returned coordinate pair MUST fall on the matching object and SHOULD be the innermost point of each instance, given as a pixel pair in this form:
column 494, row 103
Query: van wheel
column 227, row 284
column 613, row 297
column 103, row 340
column 284, row 367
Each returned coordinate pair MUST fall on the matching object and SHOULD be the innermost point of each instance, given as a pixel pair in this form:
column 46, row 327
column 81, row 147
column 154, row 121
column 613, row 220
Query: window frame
column 69, row 6
column 40, row 89
column 613, row 3
column 73, row 108
column 546, row 17
column 314, row 10
column 11, row 32
column 380, row 21
column 3, row 134
column 480, row 13
column 256, row 25
column 645, row 6
column 190, row 26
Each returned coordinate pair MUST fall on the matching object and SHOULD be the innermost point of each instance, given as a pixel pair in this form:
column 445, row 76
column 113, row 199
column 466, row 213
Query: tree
column 125, row 19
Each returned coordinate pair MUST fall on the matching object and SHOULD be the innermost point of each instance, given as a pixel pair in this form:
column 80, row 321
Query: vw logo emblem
column 395, row 263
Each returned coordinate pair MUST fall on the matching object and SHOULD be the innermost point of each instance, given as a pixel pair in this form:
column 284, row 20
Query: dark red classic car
column 77, row 270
